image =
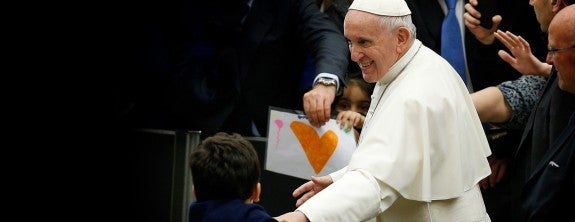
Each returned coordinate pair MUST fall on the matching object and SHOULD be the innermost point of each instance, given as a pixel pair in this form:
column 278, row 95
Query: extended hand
column 310, row 188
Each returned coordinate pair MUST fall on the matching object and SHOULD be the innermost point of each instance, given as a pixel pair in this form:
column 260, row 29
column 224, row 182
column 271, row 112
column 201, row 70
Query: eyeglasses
column 555, row 51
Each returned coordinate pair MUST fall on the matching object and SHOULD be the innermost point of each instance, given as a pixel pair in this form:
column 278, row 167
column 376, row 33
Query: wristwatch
column 328, row 82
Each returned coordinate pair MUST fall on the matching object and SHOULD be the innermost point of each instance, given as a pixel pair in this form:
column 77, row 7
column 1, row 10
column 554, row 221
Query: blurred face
column 562, row 55
column 372, row 47
column 543, row 12
column 354, row 99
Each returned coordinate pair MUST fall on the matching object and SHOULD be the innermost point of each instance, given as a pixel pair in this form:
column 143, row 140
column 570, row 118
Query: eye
column 343, row 106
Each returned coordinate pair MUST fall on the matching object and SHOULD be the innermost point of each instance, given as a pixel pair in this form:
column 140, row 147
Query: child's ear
column 194, row 192
column 256, row 192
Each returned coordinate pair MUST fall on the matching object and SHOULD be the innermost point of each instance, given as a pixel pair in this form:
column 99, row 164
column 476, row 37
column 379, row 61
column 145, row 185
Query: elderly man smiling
column 422, row 150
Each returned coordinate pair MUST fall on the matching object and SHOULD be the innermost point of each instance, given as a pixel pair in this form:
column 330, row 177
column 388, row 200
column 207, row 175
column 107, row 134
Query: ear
column 557, row 5
column 256, row 192
column 403, row 36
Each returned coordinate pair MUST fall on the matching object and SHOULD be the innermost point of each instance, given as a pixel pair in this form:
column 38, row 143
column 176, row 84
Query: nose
column 355, row 108
column 355, row 54
column 549, row 58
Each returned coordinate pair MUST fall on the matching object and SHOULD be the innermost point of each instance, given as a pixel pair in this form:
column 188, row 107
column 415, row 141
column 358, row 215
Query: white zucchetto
column 382, row 7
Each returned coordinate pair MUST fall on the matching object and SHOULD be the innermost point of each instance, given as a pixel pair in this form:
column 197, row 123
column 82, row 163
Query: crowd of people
column 491, row 142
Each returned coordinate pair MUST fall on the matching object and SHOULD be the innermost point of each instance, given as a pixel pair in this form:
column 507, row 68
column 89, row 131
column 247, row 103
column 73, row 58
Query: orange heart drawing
column 318, row 150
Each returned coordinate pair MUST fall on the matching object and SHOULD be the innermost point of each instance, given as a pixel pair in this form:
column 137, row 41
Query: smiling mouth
column 365, row 64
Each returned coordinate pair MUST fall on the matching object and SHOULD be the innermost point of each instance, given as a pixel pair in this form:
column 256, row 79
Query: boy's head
column 225, row 166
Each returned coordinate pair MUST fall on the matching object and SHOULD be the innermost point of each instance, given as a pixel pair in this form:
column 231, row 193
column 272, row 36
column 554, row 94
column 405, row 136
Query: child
column 353, row 104
column 226, row 174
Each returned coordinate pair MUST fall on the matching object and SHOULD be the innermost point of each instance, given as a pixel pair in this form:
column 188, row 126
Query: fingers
column 484, row 183
column 496, row 20
column 317, row 105
column 325, row 114
column 503, row 38
column 494, row 173
column 304, row 198
column 347, row 119
column 524, row 43
column 502, row 170
column 470, row 9
column 303, row 188
column 309, row 107
column 506, row 57
column 510, row 40
column 470, row 17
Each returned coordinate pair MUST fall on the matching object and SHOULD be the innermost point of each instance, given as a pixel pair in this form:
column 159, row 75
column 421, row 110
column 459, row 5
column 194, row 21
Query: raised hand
column 522, row 59
column 471, row 20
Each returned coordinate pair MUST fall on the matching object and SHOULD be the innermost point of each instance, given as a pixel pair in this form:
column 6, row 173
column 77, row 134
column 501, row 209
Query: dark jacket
column 545, row 129
column 228, row 211
column 223, row 63
column 551, row 187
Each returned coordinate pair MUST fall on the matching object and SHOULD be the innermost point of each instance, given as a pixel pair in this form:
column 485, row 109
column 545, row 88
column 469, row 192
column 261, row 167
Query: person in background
column 551, row 185
column 336, row 10
column 422, row 150
column 218, row 65
column 482, row 67
column 548, row 117
column 226, row 174
column 353, row 104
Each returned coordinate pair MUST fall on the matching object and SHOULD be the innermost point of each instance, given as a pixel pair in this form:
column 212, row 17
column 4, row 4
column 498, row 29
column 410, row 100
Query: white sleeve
column 338, row 174
column 356, row 196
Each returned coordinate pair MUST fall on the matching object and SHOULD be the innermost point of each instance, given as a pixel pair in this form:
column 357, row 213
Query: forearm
column 544, row 69
column 491, row 106
column 357, row 196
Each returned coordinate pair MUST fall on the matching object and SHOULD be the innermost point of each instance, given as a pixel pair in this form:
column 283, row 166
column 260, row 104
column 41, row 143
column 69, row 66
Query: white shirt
column 422, row 141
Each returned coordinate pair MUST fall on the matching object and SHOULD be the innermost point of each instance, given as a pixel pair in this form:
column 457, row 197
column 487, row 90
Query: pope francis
column 422, row 150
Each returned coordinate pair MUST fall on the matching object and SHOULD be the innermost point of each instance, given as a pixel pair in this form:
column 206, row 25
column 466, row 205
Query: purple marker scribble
column 279, row 123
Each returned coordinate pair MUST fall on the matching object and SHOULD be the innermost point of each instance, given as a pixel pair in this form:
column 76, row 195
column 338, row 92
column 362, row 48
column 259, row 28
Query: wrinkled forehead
column 357, row 17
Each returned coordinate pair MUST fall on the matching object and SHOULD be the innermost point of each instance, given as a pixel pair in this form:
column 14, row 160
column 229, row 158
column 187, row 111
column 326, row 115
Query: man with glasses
column 552, row 181
column 548, row 117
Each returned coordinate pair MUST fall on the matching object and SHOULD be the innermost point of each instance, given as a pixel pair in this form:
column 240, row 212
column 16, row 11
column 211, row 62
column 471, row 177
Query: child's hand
column 348, row 120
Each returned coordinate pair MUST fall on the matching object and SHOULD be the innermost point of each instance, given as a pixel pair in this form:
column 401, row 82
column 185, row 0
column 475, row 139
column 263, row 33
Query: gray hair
column 394, row 22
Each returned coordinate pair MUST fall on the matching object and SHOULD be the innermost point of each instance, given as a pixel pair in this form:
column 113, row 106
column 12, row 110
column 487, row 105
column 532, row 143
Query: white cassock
column 421, row 153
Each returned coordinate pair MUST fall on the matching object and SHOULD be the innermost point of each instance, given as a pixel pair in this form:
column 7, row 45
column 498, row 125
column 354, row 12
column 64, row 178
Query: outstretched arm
column 523, row 59
column 491, row 105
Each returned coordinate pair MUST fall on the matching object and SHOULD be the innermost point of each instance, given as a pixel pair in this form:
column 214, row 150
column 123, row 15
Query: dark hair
column 224, row 166
column 357, row 79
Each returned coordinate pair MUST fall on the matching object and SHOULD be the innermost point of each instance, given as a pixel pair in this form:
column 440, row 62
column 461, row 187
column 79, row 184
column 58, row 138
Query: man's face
column 561, row 38
column 543, row 12
column 372, row 47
